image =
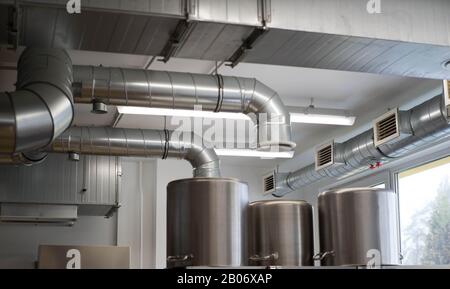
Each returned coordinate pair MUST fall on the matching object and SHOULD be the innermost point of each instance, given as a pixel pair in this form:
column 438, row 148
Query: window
column 379, row 186
column 424, row 200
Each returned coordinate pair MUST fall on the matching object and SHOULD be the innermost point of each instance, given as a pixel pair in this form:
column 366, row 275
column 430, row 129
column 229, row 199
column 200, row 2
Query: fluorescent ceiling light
column 254, row 153
column 296, row 117
column 322, row 119
column 179, row 112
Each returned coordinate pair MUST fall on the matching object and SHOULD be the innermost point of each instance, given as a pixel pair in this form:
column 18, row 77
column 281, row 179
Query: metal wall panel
column 91, row 181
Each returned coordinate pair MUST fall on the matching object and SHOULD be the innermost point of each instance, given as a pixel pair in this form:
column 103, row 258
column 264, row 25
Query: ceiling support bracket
column 13, row 15
column 246, row 45
column 178, row 37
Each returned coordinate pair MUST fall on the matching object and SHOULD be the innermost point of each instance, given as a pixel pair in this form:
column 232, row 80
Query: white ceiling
column 356, row 92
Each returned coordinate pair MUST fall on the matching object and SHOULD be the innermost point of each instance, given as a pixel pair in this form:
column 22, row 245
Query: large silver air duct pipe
column 140, row 143
column 134, row 87
column 40, row 109
column 427, row 123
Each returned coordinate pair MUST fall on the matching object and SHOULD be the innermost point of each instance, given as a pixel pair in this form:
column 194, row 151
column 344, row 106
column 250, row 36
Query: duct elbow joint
column 42, row 106
column 204, row 161
column 272, row 119
column 274, row 134
column 281, row 185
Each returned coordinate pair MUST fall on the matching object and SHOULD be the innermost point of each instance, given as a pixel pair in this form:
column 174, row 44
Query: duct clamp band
column 220, row 95
column 166, row 144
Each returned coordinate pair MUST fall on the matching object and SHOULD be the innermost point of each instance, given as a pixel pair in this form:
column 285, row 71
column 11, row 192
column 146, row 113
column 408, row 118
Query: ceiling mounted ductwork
column 140, row 143
column 40, row 109
column 299, row 33
column 175, row 90
column 405, row 132
column 35, row 119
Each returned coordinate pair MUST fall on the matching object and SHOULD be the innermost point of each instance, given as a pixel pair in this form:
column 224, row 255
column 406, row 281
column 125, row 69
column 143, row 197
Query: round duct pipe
column 176, row 90
column 41, row 108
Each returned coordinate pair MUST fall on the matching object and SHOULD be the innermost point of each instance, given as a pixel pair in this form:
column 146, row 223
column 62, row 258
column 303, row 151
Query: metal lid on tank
column 279, row 202
column 359, row 190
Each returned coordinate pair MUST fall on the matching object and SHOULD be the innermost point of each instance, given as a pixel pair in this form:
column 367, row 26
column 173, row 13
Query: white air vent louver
column 324, row 155
column 447, row 97
column 269, row 184
column 386, row 127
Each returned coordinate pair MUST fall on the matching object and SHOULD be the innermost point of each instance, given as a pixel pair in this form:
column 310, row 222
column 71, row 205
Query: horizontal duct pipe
column 40, row 109
column 428, row 123
column 407, row 37
column 140, row 143
column 175, row 90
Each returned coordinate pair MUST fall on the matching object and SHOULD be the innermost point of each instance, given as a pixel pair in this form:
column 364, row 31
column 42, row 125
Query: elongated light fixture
column 254, row 153
column 322, row 119
column 296, row 117
column 179, row 112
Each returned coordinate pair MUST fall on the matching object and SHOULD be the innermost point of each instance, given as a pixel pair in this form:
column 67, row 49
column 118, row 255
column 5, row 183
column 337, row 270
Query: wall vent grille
column 324, row 156
column 269, row 183
column 386, row 128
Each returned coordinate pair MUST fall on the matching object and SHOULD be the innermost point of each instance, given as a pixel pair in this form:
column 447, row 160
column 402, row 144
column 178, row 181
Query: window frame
column 416, row 161
column 381, row 177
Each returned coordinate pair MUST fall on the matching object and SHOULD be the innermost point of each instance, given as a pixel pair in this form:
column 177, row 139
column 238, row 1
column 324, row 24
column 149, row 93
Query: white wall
column 135, row 218
column 19, row 243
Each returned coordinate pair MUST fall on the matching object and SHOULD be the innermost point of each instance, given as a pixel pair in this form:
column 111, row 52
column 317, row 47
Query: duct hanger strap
column 220, row 93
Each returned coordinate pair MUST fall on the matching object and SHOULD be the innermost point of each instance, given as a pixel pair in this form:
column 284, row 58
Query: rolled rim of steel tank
column 206, row 222
column 358, row 227
column 280, row 233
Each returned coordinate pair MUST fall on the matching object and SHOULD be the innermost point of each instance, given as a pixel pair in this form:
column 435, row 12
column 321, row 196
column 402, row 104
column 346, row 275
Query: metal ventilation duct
column 41, row 108
column 428, row 122
column 140, row 143
column 175, row 90
column 334, row 34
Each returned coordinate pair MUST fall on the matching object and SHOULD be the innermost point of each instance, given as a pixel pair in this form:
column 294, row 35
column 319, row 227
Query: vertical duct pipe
column 174, row 90
column 40, row 109
column 428, row 122
column 140, row 143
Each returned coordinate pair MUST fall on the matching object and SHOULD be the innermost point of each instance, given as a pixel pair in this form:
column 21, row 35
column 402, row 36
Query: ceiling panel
column 213, row 41
column 95, row 30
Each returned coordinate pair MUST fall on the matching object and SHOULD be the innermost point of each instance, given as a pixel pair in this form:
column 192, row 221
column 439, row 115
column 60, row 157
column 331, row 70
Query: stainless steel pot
column 281, row 233
column 206, row 222
column 358, row 226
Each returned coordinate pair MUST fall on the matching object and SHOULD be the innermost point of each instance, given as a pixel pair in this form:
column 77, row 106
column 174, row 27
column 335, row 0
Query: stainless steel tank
column 281, row 233
column 206, row 222
column 358, row 226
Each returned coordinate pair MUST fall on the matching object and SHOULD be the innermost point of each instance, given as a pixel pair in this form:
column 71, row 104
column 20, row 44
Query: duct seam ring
column 220, row 93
